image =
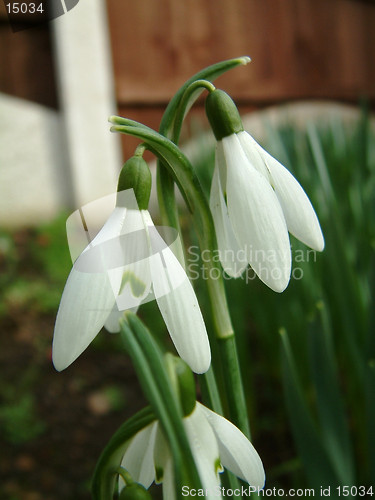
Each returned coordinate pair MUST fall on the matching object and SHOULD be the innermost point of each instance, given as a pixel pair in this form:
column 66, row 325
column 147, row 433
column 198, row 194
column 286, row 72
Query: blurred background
column 308, row 96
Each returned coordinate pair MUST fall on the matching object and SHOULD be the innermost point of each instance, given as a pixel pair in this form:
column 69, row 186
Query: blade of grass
column 330, row 406
column 318, row 469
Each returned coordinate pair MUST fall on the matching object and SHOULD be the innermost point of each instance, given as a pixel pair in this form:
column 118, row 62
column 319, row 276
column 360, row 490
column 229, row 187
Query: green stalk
column 150, row 367
column 158, row 399
column 210, row 391
column 170, row 127
column 233, row 383
column 183, row 174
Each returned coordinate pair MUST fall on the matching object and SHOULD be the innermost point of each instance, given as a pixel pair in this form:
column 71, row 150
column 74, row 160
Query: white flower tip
column 311, row 235
column 63, row 352
column 59, row 362
column 202, row 364
column 319, row 243
column 278, row 286
column 275, row 277
column 58, row 368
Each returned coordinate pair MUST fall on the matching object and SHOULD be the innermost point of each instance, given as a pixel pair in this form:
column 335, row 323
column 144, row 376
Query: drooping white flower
column 215, row 443
column 126, row 264
column 255, row 201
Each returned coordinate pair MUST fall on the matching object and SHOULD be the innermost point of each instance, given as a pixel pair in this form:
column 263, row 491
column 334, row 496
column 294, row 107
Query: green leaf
column 308, row 442
column 329, row 401
column 149, row 364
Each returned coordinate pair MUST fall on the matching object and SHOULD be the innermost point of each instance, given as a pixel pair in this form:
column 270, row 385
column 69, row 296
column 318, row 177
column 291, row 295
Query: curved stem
column 182, row 173
column 191, row 93
column 170, row 127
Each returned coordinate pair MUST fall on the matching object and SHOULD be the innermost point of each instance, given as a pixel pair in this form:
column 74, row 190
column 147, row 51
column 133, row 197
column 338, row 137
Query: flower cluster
column 254, row 202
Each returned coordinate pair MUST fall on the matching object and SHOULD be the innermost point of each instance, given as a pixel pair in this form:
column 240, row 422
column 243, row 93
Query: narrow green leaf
column 308, row 442
column 104, row 479
column 158, row 396
column 330, row 406
column 344, row 283
column 149, row 363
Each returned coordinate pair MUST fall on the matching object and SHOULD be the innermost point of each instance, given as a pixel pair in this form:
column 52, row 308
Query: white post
column 84, row 73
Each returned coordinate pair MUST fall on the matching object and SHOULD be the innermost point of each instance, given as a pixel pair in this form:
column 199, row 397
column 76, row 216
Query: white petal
column 298, row 211
column 253, row 153
column 112, row 228
column 178, row 305
column 112, row 323
column 138, row 458
column 257, row 218
column 204, row 447
column 232, row 258
column 136, row 278
column 161, row 455
column 169, row 489
column 236, row 452
column 89, row 295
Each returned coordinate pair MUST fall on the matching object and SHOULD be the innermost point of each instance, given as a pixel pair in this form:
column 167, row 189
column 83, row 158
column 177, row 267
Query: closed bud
column 222, row 114
column 136, row 175
column 183, row 382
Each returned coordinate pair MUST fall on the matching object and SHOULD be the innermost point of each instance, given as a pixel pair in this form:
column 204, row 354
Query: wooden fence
column 300, row 49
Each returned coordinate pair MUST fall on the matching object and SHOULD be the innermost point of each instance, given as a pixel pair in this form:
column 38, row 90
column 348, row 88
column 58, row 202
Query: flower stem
column 183, row 174
column 210, row 391
column 233, row 383
column 191, row 93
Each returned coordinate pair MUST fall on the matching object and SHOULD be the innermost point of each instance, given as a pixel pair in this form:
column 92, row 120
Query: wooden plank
column 26, row 64
column 300, row 48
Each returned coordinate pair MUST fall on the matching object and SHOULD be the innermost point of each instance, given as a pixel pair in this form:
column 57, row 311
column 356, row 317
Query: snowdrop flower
column 118, row 270
column 215, row 443
column 255, row 201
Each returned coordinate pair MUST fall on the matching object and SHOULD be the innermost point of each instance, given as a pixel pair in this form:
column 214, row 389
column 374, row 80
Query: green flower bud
column 183, row 381
column 136, row 175
column 135, row 491
column 222, row 114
